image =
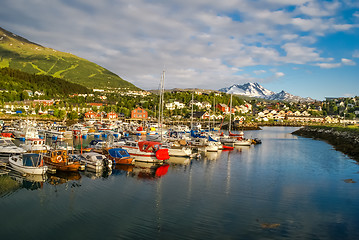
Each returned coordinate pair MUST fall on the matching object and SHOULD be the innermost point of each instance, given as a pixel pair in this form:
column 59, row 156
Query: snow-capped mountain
column 248, row 89
column 256, row 90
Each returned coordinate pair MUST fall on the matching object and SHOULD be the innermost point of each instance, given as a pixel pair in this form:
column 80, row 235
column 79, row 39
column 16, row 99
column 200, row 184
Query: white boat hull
column 28, row 170
column 242, row 143
column 182, row 152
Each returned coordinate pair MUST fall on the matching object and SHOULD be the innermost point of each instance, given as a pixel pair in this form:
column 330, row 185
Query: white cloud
column 196, row 42
column 279, row 74
column 258, row 72
column 349, row 62
column 296, row 53
column 328, row 65
column 319, row 8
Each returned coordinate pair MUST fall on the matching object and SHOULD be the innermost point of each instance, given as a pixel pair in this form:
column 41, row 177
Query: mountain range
column 21, row 54
column 257, row 91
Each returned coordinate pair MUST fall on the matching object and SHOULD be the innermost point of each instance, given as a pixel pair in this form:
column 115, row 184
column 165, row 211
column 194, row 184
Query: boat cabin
column 149, row 146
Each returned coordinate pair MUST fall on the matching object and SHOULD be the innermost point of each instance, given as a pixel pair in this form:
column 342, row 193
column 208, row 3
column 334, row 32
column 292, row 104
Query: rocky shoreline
column 346, row 141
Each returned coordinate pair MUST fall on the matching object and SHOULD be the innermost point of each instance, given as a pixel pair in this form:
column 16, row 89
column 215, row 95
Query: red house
column 139, row 113
column 91, row 115
column 223, row 107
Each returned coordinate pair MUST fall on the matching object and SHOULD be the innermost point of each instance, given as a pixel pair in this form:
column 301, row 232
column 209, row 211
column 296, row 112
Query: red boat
column 227, row 147
column 146, row 151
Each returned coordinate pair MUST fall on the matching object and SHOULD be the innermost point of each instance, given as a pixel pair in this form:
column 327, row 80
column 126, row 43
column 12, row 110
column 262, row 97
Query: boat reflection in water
column 142, row 170
column 211, row 156
column 14, row 181
column 63, row 177
column 179, row 160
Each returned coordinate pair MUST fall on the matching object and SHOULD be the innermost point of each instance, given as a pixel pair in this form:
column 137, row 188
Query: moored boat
column 94, row 161
column 35, row 145
column 116, row 155
column 8, row 148
column 29, row 163
column 59, row 160
column 146, row 151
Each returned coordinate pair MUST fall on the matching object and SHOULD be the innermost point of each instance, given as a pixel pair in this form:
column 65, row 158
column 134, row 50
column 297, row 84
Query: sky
column 309, row 48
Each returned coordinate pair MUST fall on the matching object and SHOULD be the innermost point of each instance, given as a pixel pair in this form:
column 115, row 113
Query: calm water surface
column 286, row 188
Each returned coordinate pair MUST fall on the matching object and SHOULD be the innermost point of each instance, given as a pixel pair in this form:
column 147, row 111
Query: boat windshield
column 118, row 153
column 6, row 142
column 31, row 160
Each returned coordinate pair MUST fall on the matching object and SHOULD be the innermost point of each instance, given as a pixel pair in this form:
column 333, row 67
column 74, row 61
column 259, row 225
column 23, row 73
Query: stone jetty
column 343, row 139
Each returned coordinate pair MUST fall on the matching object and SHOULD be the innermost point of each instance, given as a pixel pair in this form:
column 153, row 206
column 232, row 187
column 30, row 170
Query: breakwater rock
column 344, row 140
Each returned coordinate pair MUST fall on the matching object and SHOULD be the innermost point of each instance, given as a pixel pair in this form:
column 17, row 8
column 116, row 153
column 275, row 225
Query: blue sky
column 308, row 48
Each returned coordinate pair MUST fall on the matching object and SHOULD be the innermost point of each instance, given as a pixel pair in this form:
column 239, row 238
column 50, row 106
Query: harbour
column 288, row 187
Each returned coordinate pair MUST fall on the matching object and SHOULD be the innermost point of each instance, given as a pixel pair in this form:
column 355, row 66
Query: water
column 288, row 187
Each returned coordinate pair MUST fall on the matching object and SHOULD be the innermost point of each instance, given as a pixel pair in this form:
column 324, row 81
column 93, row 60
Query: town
column 180, row 105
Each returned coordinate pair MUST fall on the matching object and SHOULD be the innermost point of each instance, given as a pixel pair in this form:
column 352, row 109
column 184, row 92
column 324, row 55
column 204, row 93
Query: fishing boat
column 146, row 151
column 35, row 145
column 60, row 160
column 8, row 148
column 116, row 155
column 29, row 163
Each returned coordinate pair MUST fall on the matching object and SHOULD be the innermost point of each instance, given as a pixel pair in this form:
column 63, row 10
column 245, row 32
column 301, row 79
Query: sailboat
column 239, row 140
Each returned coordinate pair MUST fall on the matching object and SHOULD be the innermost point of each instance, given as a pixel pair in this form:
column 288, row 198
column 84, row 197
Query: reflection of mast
column 228, row 178
column 158, row 204
column 189, row 193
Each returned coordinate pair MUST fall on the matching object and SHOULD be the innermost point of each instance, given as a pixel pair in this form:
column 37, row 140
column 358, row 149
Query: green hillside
column 19, row 53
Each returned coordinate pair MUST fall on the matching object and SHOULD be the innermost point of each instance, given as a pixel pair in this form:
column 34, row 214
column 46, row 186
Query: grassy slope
column 19, row 53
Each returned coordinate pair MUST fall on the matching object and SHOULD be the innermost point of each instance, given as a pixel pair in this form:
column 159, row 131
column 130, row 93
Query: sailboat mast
column 230, row 114
column 192, row 113
column 161, row 104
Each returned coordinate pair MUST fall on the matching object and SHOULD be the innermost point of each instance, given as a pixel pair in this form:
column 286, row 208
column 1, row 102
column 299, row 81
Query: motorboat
column 26, row 130
column 29, row 163
column 93, row 161
column 146, row 151
column 116, row 155
column 8, row 148
column 178, row 149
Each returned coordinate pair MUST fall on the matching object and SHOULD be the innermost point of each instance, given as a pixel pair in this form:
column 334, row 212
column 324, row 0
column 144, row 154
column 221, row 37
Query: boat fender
column 59, row 159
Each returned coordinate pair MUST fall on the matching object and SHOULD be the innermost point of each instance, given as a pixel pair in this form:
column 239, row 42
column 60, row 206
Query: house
column 201, row 115
column 45, row 102
column 174, row 105
column 112, row 116
column 206, row 105
column 139, row 113
column 90, row 115
column 196, row 103
column 29, row 93
column 222, row 107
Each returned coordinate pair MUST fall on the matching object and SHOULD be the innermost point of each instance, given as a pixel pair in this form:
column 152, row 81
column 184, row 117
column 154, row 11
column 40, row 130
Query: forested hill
column 19, row 53
column 15, row 82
